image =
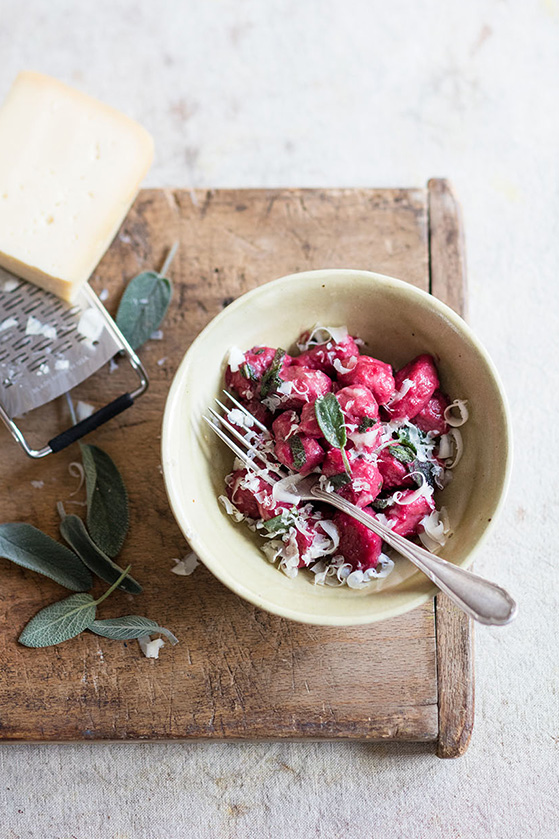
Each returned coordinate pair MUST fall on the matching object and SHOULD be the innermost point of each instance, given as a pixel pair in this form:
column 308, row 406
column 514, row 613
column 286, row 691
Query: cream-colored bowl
column 397, row 322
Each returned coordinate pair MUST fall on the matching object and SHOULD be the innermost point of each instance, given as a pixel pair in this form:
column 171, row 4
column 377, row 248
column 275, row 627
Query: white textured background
column 369, row 93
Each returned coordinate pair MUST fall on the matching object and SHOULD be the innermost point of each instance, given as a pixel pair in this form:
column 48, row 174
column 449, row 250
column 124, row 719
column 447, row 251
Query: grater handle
column 90, row 423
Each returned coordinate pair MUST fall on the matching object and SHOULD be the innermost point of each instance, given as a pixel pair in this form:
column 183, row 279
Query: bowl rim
column 169, row 463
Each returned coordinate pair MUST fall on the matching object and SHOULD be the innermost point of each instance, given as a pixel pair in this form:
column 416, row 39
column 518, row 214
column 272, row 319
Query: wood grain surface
column 455, row 634
column 238, row 672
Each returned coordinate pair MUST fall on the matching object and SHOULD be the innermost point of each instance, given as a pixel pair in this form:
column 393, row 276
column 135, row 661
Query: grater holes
column 48, row 311
column 32, row 307
column 62, row 347
column 41, row 345
column 23, row 358
column 12, row 303
column 24, row 341
column 36, row 363
column 70, row 314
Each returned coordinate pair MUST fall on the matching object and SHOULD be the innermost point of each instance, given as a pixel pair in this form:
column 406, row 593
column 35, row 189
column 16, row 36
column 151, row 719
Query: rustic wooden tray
column 238, row 673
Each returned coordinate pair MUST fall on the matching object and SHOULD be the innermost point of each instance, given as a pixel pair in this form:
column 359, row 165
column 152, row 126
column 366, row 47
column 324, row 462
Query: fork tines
column 248, row 450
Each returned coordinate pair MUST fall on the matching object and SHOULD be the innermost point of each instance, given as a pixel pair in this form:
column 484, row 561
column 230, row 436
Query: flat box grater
column 47, row 347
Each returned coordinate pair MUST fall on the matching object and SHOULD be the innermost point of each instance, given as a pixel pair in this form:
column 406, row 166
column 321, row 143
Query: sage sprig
column 129, row 627
column 31, row 548
column 65, row 619
column 107, row 500
column 330, row 418
column 107, row 517
column 74, row 532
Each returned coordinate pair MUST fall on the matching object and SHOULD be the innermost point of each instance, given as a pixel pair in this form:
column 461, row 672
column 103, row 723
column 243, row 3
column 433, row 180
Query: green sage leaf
column 281, row 523
column 297, row 451
column 107, row 500
column 427, row 470
column 143, row 306
column 381, row 504
column 74, row 532
column 365, row 424
column 248, row 371
column 340, row 480
column 271, row 379
column 330, row 418
column 402, row 453
column 60, row 621
column 31, row 548
column 129, row 627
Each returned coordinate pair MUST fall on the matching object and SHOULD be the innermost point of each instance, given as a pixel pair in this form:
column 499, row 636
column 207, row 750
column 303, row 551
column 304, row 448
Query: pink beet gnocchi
column 393, row 447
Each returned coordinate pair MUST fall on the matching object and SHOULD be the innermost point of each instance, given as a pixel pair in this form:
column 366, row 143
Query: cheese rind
column 70, row 167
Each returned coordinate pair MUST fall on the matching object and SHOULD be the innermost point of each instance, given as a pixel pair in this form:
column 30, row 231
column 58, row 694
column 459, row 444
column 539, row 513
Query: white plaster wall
column 371, row 93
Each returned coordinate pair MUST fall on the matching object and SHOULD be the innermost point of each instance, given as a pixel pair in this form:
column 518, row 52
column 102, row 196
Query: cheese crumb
column 185, row 566
column 35, row 327
column 150, row 648
column 91, row 324
column 83, row 410
column 8, row 323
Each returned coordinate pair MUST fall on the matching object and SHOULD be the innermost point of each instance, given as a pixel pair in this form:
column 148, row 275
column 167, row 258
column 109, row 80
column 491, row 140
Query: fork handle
column 483, row 600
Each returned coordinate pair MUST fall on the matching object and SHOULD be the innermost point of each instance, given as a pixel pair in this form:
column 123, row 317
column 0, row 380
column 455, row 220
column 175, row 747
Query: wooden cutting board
column 238, row 673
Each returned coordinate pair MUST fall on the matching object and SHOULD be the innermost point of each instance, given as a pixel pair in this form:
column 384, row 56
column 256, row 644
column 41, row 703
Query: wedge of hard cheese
column 70, row 168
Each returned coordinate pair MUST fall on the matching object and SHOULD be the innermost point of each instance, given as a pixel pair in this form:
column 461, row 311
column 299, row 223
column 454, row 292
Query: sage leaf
column 107, row 500
column 365, row 424
column 143, row 306
column 271, row 378
column 340, row 480
column 426, row 470
column 381, row 504
column 60, row 621
column 31, row 548
column 74, row 532
column 129, row 627
column 281, row 523
column 330, row 418
column 402, row 453
column 248, row 371
column 297, row 451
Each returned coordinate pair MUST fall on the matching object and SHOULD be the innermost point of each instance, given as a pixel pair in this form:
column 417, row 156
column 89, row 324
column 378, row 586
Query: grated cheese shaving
column 236, row 358
column 35, row 327
column 339, row 367
column 8, row 324
column 407, row 384
column 83, row 410
column 150, row 648
column 91, row 325
column 322, row 334
column 280, row 490
column 423, row 491
column 230, row 508
column 76, row 470
column 186, row 566
column 463, row 413
column 456, row 436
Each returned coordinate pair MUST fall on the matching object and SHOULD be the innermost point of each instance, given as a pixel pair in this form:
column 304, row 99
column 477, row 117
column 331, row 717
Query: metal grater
column 47, row 347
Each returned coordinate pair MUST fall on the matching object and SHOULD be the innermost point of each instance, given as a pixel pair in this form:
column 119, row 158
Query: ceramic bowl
column 397, row 322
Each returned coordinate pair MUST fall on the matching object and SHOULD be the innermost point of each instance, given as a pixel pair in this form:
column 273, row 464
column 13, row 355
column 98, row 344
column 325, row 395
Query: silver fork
column 483, row 600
